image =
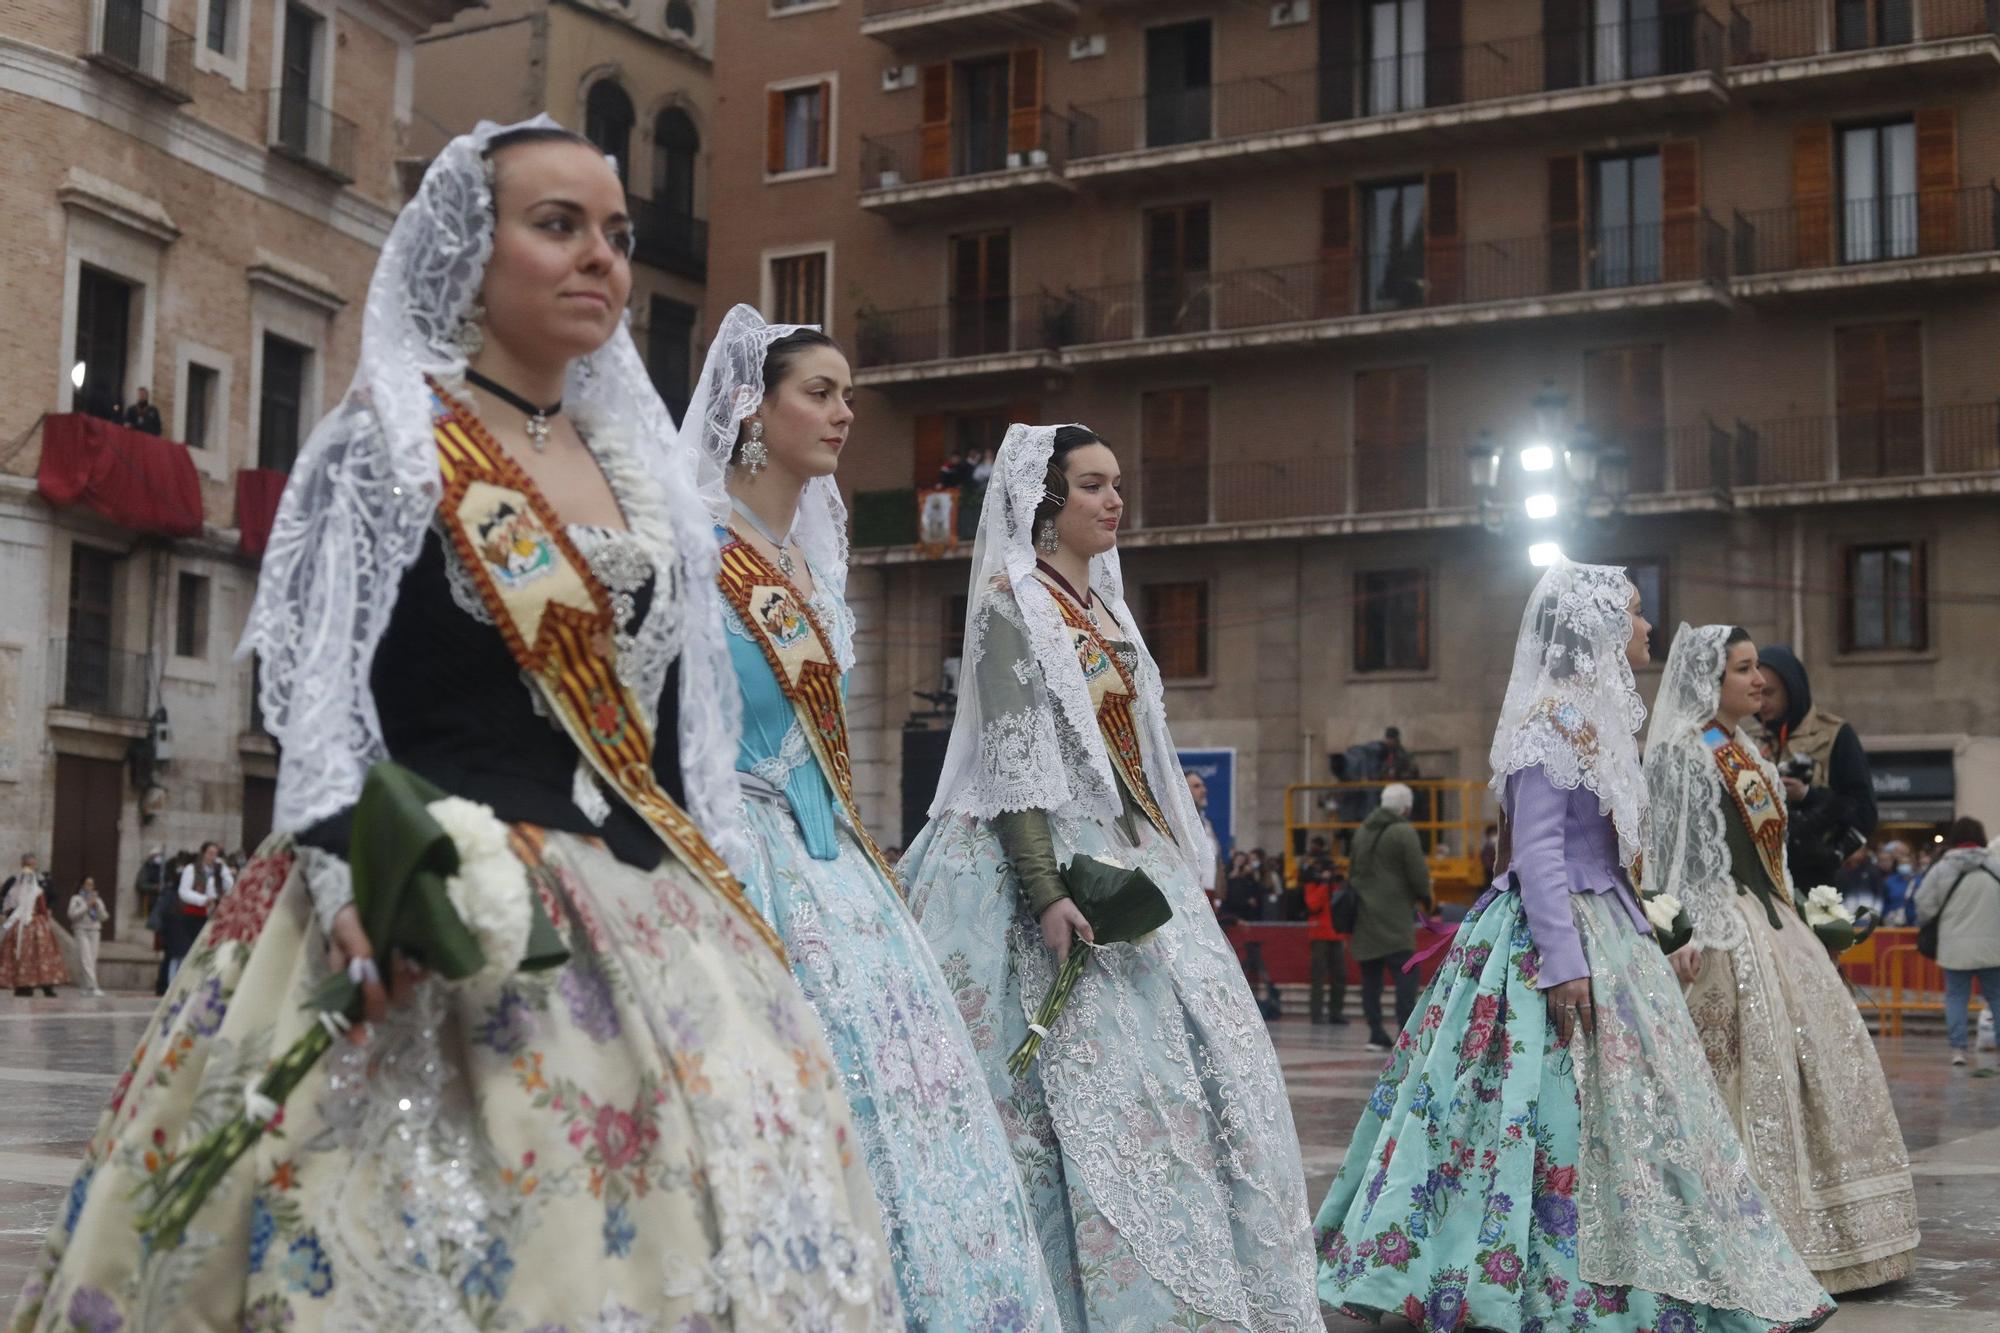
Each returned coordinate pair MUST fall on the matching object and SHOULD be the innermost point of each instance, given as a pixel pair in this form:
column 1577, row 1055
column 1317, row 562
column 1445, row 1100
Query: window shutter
column 1444, row 54
column 1336, row 251
column 1812, row 195
column 1174, row 456
column 1565, row 223
column 1024, row 101
column 825, row 124
column 1563, row 36
column 1444, row 248
column 927, row 453
column 1937, row 181
column 1680, row 206
column 1391, row 438
column 774, row 132
column 934, row 138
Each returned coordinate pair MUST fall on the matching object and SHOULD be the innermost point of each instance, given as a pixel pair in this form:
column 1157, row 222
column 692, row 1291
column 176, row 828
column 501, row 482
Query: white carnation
column 1825, row 897
column 1663, row 909
column 1823, row 905
column 490, row 891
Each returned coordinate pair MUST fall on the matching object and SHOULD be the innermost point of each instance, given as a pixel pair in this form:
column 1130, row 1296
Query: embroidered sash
column 1111, row 696
column 800, row 655
column 557, row 620
column 1763, row 813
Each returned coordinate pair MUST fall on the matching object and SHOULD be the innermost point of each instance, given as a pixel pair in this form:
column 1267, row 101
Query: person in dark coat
column 142, row 416
column 1392, row 877
column 1828, row 787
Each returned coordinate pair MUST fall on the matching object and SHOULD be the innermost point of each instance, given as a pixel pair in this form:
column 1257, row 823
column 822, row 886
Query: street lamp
column 1557, row 483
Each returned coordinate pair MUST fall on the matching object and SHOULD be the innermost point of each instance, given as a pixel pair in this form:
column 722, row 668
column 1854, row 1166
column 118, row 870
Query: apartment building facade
column 1325, row 272
column 196, row 192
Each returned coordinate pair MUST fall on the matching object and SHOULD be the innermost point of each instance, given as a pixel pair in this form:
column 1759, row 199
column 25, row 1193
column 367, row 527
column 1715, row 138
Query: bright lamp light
column 1543, row 554
column 1538, row 458
column 1542, row 506
column 76, row 375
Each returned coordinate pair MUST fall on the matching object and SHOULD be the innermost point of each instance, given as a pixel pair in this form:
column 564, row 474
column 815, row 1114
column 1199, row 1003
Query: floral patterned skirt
column 1500, row 1181
column 30, row 955
column 650, row 1137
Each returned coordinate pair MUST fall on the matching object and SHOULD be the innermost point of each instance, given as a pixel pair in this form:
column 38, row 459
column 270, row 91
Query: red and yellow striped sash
column 1111, row 695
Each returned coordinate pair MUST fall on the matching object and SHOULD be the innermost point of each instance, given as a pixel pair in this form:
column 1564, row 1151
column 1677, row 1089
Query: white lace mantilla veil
column 1687, row 853
column 731, row 388
column 366, row 486
column 1054, row 759
column 1572, row 703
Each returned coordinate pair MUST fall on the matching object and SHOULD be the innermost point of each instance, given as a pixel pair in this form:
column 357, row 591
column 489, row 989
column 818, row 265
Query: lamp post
column 1552, row 486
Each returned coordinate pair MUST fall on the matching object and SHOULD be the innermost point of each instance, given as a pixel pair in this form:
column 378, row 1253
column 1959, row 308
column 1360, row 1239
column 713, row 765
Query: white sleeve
column 188, row 893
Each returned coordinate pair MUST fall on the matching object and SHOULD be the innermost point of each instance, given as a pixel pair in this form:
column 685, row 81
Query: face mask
column 1902, row 867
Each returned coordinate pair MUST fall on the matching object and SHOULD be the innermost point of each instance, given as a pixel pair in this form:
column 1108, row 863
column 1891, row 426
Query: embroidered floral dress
column 651, row 1137
column 30, row 953
column 959, row 1231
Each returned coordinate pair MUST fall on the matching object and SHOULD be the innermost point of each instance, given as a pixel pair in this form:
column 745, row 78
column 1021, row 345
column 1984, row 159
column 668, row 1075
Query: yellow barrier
column 1450, row 817
column 1915, row 986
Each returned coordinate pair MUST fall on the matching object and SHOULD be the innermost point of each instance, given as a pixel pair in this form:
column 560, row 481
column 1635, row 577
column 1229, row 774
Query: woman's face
column 1639, row 646
column 807, row 419
column 561, row 270
column 1088, row 521
column 1742, row 687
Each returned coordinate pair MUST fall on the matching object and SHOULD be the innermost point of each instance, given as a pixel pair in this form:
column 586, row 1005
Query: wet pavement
column 60, row 1058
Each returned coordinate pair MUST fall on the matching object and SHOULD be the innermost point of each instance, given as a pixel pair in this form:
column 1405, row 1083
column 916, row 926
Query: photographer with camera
column 1828, row 788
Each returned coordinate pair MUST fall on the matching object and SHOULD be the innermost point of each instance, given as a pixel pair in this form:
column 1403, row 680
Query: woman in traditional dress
column 1545, row 1149
column 30, row 953
column 1790, row 1053
column 475, row 572
column 1152, row 1131
column 766, row 427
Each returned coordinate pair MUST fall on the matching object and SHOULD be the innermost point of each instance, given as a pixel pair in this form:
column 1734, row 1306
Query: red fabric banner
column 257, row 492
column 138, row 481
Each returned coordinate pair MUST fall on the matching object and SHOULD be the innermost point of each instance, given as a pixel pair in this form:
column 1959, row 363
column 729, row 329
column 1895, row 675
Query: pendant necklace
column 1087, row 603
column 537, row 425
column 778, row 544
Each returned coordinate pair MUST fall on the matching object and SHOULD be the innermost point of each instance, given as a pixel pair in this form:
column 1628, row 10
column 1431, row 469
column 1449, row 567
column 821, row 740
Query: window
column 300, row 54
column 670, row 351
column 218, row 26
column 87, row 660
column 1864, row 23
column 1391, row 438
column 281, row 403
column 203, row 385
column 1174, row 457
column 1649, row 576
column 1879, row 399
column 1177, row 295
column 799, row 132
column 979, row 115
column 1884, row 603
column 103, row 332
column 1392, row 620
column 191, row 616
column 1395, row 245
column 798, row 289
column 680, row 17
column 1624, row 405
column 676, row 148
column 981, row 294
column 1178, row 74
column 1878, row 192
column 608, row 121
column 1625, row 220
column 1395, row 56
column 1176, row 629
column 1625, row 40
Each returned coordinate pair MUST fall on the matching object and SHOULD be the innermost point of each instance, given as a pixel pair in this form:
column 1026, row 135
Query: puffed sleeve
column 1540, row 813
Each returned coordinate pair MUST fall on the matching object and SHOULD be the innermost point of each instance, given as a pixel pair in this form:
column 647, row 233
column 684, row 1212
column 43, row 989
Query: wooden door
column 1624, row 405
column 89, row 795
column 1177, row 298
column 260, row 799
column 1879, row 393
column 1174, row 457
column 981, row 287
column 1391, row 438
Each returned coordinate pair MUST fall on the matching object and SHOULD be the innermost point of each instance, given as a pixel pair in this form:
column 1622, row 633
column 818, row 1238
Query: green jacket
column 1390, row 874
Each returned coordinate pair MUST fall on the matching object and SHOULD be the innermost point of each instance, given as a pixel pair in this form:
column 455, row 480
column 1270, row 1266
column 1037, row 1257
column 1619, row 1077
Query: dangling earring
column 1046, row 540
column 471, row 338
column 753, row 455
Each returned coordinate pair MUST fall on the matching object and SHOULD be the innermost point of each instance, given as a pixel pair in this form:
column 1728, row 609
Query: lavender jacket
column 1562, row 845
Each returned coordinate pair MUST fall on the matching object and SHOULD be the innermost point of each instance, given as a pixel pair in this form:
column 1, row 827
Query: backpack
column 1927, row 934
column 1344, row 909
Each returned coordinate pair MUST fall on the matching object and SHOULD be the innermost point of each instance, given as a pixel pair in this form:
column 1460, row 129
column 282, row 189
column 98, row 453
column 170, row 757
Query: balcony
column 1936, row 236
column 139, row 45
column 1460, row 285
column 1627, row 73
column 1783, row 49
column 986, row 339
column 90, row 677
column 305, row 132
column 665, row 238
column 1888, row 452
column 961, row 169
column 905, row 24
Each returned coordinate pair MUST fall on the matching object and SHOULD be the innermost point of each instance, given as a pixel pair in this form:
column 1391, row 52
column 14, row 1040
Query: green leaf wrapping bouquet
column 434, row 882
column 1671, row 924
column 1830, row 919
column 1123, row 906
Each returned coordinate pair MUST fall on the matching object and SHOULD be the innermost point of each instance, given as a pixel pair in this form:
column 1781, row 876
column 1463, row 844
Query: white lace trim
column 793, row 752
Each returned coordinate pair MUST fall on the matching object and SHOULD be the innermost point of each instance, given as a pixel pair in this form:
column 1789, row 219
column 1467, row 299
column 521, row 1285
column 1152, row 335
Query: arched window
column 607, row 122
column 680, row 17
column 676, row 145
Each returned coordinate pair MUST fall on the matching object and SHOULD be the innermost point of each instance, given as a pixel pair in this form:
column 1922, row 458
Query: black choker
column 537, row 425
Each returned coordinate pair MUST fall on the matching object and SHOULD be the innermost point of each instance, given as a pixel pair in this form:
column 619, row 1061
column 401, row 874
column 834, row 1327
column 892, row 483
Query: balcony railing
column 916, row 157
column 92, row 677
column 306, row 132
column 958, row 330
column 1401, row 85
column 1763, row 31
column 144, row 47
column 1866, row 446
column 666, row 238
column 1887, row 229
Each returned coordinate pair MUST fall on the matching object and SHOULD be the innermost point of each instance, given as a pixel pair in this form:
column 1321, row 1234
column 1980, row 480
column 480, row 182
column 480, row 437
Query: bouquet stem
column 1052, row 1007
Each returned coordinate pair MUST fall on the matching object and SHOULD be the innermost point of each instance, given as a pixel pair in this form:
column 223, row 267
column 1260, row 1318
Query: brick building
column 195, row 194
column 1309, row 265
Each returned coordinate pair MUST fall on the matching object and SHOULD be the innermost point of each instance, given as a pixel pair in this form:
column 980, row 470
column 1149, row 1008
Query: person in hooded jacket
column 1836, row 798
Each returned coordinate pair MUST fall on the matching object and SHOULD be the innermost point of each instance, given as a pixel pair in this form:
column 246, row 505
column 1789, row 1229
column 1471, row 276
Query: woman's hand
column 1687, row 963
column 1570, row 1006
column 1060, row 922
column 350, row 942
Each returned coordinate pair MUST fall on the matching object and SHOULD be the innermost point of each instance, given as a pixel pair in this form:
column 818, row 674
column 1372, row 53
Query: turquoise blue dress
column 965, row 1253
